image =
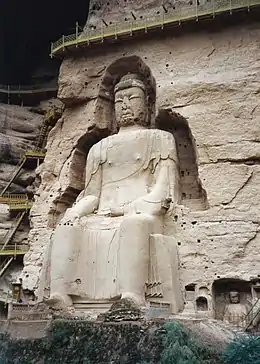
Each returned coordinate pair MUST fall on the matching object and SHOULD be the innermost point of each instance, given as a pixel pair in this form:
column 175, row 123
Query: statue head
column 131, row 106
column 234, row 297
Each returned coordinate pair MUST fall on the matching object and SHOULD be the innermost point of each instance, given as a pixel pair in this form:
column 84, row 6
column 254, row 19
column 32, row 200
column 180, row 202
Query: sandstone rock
column 121, row 11
column 212, row 82
column 18, row 130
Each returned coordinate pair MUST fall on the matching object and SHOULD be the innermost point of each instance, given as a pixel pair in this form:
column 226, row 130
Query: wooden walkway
column 171, row 19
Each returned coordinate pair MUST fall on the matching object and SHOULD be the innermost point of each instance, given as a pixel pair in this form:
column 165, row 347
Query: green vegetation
column 244, row 350
column 81, row 342
column 180, row 347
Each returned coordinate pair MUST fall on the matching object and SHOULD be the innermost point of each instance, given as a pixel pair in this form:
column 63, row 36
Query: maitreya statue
column 111, row 244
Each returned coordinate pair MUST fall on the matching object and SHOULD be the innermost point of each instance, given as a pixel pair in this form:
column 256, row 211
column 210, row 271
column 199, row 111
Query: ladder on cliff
column 10, row 234
column 17, row 170
column 42, row 134
column 5, row 264
column 20, row 203
column 251, row 315
column 50, row 119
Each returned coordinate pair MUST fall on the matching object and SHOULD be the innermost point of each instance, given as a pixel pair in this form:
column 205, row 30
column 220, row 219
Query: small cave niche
column 190, row 292
column 256, row 288
column 230, row 291
column 3, row 311
column 202, row 303
column 192, row 194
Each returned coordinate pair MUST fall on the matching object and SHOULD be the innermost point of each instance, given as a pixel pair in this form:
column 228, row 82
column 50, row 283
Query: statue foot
column 127, row 308
column 133, row 298
column 59, row 301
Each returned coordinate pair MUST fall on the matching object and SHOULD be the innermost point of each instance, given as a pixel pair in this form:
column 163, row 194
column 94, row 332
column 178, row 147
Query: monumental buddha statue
column 111, row 244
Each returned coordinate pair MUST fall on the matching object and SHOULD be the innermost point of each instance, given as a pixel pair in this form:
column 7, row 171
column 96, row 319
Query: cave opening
column 27, row 29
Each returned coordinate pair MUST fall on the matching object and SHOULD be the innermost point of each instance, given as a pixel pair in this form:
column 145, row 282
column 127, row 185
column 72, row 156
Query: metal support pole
column 77, row 33
column 230, row 6
column 115, row 31
column 102, row 33
column 51, row 50
column 131, row 27
column 162, row 26
column 8, row 94
column 196, row 9
column 145, row 25
column 63, row 43
column 213, row 10
column 88, row 41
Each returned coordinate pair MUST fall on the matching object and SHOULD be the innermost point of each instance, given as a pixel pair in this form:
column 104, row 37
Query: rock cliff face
column 212, row 80
column 105, row 13
column 18, row 131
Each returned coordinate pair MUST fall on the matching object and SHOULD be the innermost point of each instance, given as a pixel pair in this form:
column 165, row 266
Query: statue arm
column 158, row 201
column 165, row 181
column 88, row 200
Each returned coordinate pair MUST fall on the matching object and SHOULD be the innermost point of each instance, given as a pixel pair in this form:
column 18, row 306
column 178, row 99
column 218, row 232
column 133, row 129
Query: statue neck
column 130, row 128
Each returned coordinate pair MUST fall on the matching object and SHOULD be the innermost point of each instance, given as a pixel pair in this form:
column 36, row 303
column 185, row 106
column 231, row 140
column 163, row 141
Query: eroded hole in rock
column 3, row 311
column 202, row 304
column 190, row 287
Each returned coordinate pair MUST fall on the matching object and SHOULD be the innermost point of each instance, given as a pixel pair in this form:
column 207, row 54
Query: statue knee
column 138, row 221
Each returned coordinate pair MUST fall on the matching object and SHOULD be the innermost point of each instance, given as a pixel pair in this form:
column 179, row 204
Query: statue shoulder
column 160, row 145
column 164, row 144
column 164, row 135
column 98, row 152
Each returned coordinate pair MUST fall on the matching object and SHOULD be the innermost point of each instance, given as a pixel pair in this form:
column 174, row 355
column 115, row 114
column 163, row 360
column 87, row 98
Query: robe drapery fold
column 95, row 259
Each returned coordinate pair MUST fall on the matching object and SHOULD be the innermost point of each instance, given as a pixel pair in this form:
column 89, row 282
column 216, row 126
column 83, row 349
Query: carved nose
column 126, row 103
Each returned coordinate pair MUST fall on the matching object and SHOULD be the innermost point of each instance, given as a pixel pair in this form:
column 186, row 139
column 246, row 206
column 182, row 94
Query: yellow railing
column 35, row 153
column 30, row 89
column 16, row 201
column 7, row 197
column 54, row 112
column 173, row 17
column 13, row 251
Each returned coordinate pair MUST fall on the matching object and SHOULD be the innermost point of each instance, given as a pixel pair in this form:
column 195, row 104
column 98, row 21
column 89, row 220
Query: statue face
column 234, row 297
column 130, row 107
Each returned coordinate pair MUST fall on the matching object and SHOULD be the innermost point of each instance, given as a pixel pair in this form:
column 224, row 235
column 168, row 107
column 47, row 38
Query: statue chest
column 124, row 156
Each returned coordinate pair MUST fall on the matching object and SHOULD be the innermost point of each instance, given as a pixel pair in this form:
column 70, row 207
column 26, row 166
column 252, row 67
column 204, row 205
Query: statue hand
column 143, row 205
column 85, row 206
column 70, row 217
column 166, row 204
column 114, row 211
column 81, row 208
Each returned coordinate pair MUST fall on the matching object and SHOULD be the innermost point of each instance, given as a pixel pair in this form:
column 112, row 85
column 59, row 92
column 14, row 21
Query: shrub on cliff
column 243, row 350
column 181, row 348
column 81, row 342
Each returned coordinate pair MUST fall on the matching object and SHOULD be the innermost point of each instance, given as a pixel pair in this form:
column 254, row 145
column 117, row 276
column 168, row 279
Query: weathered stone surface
column 18, row 130
column 212, row 80
column 122, row 11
